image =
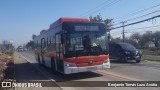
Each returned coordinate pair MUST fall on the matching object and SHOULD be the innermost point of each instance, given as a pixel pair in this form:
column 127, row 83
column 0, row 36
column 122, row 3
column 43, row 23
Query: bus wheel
column 53, row 64
column 43, row 61
column 39, row 60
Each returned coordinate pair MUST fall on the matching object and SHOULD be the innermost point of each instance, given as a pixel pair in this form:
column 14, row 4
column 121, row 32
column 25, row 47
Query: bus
column 73, row 45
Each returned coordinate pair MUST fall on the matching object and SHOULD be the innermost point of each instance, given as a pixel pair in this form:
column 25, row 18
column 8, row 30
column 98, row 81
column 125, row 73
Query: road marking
column 118, row 75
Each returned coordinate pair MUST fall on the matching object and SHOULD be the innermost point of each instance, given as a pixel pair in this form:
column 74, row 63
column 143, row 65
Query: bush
column 8, row 52
column 154, row 48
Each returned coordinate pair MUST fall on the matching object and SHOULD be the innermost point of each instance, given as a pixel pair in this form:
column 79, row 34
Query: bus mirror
column 109, row 37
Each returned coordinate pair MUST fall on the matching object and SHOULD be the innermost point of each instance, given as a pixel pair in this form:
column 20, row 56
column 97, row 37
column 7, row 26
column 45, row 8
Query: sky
column 19, row 19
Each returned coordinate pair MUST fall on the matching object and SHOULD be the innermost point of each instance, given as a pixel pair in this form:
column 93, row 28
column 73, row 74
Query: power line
column 106, row 6
column 143, row 28
column 143, row 15
column 143, row 31
column 140, row 11
column 95, row 7
column 134, row 29
column 123, row 33
column 140, row 16
column 119, row 33
column 137, row 22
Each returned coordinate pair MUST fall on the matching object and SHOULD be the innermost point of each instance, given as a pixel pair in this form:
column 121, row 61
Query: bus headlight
column 106, row 61
column 71, row 65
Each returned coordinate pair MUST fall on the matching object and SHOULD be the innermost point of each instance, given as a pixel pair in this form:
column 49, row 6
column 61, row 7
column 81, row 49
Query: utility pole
column 123, row 33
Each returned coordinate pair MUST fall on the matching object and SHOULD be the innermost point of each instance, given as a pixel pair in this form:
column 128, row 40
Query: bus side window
column 53, row 40
column 50, row 41
column 47, row 41
column 43, row 43
column 37, row 44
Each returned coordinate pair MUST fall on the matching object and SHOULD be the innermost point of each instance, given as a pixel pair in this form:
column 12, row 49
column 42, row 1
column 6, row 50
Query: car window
column 127, row 46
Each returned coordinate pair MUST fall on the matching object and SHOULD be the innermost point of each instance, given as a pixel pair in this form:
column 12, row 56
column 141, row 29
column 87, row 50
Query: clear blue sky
column 19, row 19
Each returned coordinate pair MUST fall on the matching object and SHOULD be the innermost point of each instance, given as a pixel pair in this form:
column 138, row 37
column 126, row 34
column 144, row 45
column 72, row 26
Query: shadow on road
column 82, row 75
column 119, row 62
column 27, row 71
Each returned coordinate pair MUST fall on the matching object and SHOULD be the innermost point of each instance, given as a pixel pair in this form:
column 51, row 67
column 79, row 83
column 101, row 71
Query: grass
column 152, row 59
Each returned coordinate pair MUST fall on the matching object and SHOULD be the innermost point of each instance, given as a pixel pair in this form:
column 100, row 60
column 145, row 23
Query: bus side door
column 43, row 51
column 59, row 53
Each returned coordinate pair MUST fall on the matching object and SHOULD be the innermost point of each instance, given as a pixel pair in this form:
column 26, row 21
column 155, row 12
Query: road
column 27, row 68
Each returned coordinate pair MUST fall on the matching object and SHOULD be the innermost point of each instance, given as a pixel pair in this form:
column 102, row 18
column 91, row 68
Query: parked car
column 20, row 49
column 124, row 52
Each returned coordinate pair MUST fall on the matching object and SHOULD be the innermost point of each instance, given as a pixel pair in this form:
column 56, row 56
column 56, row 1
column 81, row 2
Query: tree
column 135, row 39
column 108, row 22
column 156, row 38
column 33, row 36
column 98, row 18
column 30, row 44
column 118, row 39
column 146, row 37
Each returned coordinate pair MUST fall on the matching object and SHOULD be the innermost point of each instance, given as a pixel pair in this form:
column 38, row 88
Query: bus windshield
column 86, row 43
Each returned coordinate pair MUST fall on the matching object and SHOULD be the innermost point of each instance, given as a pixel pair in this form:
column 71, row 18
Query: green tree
column 30, row 44
column 108, row 22
column 156, row 38
column 98, row 18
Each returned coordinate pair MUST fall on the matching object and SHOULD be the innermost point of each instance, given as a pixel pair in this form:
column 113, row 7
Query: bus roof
column 64, row 19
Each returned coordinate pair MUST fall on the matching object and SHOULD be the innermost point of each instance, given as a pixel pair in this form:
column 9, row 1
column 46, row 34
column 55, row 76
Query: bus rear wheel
column 53, row 64
column 39, row 59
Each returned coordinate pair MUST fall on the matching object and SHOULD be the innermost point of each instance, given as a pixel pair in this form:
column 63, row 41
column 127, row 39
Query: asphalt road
column 27, row 68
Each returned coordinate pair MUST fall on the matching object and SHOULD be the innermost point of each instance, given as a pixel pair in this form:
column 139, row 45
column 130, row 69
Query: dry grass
column 6, row 67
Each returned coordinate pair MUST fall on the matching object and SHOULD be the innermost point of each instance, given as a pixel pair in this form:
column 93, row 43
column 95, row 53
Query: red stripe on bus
column 87, row 60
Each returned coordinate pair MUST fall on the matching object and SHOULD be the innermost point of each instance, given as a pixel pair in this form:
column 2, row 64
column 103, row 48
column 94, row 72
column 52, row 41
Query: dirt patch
column 6, row 68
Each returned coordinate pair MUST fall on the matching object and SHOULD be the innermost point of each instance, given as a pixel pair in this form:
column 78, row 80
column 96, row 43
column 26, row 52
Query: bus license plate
column 91, row 68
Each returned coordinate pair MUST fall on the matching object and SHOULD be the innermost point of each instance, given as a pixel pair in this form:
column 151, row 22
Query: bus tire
column 38, row 59
column 43, row 61
column 53, row 64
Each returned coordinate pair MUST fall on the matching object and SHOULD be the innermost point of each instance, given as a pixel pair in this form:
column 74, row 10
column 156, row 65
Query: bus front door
column 59, row 53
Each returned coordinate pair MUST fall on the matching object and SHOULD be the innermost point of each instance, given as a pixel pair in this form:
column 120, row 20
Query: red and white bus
column 73, row 45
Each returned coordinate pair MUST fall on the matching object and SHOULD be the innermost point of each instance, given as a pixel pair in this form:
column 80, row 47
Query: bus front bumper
column 70, row 70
